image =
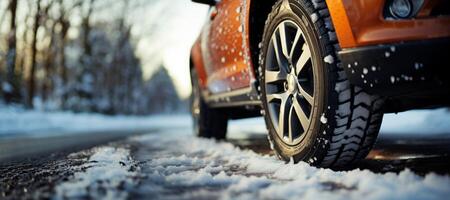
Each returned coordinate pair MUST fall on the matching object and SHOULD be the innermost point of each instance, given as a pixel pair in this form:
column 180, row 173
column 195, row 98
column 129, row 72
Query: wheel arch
column 258, row 13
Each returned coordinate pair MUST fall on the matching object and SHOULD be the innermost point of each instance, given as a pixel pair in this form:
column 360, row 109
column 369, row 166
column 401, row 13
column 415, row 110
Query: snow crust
column 106, row 170
column 233, row 173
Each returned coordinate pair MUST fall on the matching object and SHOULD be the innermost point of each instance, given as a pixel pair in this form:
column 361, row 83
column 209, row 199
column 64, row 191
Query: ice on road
column 177, row 165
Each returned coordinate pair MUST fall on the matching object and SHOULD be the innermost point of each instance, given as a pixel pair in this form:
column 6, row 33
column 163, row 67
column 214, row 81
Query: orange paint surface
column 360, row 23
column 221, row 54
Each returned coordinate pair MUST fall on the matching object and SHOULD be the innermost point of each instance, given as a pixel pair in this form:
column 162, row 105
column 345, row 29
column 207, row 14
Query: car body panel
column 222, row 53
column 361, row 23
column 224, row 48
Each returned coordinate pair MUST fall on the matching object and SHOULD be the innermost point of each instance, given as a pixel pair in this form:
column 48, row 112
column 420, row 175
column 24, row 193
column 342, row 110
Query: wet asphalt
column 35, row 172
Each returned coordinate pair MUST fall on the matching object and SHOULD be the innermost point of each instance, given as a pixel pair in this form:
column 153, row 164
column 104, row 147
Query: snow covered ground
column 16, row 121
column 180, row 166
column 417, row 122
column 106, row 170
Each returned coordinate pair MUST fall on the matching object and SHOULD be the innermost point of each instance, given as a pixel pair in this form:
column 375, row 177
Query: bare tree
column 31, row 79
column 10, row 88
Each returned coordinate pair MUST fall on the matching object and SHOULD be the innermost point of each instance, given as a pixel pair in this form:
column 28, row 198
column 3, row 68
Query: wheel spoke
column 284, row 111
column 306, row 55
column 306, row 95
column 278, row 96
column 274, row 76
column 284, row 45
column 278, row 54
column 304, row 120
column 295, row 43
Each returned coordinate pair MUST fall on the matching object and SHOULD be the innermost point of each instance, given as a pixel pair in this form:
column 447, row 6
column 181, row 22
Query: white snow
column 392, row 48
column 179, row 160
column 329, row 59
column 16, row 121
column 365, row 70
column 424, row 122
column 314, row 17
column 392, row 79
column 7, row 87
column 106, row 170
column 323, row 119
column 232, row 173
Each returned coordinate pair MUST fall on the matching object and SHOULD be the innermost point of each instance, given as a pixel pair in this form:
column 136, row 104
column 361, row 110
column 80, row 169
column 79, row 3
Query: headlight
column 401, row 8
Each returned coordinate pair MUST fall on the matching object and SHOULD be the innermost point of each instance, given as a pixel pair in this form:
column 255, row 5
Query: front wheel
column 312, row 112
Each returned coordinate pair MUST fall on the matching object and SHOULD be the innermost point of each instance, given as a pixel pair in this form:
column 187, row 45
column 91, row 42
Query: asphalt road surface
column 172, row 164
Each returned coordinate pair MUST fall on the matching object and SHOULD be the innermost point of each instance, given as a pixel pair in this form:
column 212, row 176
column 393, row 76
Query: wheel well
column 259, row 10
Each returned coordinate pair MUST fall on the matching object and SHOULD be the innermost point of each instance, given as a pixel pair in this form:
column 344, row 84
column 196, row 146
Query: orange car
column 321, row 72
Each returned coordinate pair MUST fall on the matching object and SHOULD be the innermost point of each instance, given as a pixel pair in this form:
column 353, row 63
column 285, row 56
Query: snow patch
column 329, row 59
column 323, row 119
column 7, row 87
column 314, row 17
column 232, row 173
column 365, row 70
column 106, row 170
column 417, row 122
column 374, row 68
column 392, row 79
column 392, row 48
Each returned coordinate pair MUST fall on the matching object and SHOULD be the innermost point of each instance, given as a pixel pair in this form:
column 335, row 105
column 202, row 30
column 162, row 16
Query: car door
column 224, row 49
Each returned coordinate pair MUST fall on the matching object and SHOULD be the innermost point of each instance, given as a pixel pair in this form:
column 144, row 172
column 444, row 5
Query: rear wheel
column 207, row 122
column 312, row 112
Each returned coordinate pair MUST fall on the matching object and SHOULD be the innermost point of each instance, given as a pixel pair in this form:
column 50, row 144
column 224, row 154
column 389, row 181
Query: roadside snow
column 415, row 122
column 184, row 167
column 15, row 121
column 424, row 122
column 108, row 173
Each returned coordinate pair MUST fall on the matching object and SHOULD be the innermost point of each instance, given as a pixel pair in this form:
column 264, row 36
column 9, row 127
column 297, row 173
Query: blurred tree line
column 55, row 56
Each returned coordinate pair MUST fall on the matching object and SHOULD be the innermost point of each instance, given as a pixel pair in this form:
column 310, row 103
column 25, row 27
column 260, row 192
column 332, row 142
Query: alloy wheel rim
column 289, row 82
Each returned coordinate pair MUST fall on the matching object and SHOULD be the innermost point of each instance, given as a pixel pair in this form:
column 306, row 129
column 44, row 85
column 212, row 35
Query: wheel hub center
column 291, row 83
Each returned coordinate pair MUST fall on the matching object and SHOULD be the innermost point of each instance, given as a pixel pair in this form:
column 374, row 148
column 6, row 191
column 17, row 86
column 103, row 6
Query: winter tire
column 207, row 122
column 312, row 112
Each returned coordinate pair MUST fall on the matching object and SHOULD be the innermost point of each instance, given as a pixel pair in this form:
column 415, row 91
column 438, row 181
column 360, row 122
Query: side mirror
column 208, row 2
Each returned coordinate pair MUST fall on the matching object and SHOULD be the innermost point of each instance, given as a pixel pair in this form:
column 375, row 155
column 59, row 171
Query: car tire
column 325, row 121
column 207, row 122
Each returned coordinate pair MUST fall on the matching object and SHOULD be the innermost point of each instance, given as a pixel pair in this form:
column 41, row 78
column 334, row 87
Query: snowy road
column 172, row 164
